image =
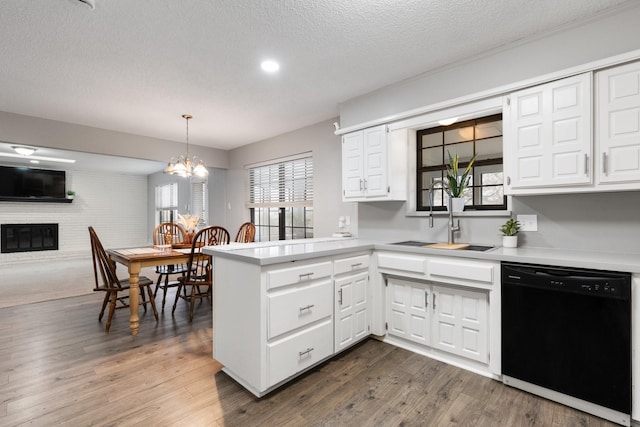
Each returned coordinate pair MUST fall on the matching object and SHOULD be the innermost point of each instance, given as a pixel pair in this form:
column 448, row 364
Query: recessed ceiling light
column 25, row 151
column 270, row 66
column 44, row 159
column 447, row 122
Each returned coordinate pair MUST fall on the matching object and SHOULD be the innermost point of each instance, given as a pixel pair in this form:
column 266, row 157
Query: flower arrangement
column 455, row 183
column 189, row 222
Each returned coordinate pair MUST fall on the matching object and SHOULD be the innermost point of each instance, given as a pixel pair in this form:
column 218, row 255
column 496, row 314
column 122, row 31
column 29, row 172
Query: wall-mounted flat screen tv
column 19, row 183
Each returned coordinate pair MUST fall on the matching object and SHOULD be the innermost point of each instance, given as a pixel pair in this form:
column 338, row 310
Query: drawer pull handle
column 309, row 307
column 353, row 266
column 307, row 352
column 305, row 276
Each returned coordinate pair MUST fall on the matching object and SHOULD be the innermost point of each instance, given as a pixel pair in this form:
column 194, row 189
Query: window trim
column 409, row 126
column 300, row 197
column 441, row 168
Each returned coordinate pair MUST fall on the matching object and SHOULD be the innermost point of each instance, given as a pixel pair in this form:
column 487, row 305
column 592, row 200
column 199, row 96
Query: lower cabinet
column 447, row 318
column 352, row 316
column 297, row 352
column 274, row 322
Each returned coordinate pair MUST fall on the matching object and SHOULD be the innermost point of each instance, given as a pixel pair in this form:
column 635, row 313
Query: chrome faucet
column 452, row 228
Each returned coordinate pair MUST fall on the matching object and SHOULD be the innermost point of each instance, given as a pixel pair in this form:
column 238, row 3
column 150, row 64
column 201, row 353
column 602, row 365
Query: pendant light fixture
column 184, row 165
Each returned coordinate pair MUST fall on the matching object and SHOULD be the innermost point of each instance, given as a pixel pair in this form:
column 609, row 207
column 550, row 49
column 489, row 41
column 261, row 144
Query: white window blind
column 285, row 184
column 199, row 201
column 167, row 196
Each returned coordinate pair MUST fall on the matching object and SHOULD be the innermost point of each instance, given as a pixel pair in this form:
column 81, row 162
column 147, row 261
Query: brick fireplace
column 28, row 237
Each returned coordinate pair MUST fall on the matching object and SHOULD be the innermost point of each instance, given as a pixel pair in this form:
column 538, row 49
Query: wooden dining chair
column 246, row 233
column 199, row 277
column 116, row 290
column 168, row 233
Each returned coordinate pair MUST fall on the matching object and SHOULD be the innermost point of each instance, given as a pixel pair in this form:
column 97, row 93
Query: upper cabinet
column 547, row 136
column 618, row 126
column 548, row 144
column 373, row 165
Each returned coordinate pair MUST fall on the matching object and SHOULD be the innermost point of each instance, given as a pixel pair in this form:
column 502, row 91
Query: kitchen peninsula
column 281, row 308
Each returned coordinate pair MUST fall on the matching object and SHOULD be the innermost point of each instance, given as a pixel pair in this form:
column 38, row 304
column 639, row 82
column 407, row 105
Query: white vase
column 457, row 204
column 509, row 241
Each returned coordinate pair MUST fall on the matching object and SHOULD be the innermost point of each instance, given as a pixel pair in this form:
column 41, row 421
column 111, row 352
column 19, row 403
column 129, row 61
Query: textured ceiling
column 136, row 66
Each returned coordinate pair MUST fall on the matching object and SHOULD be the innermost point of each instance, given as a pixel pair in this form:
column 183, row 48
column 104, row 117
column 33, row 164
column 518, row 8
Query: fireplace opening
column 28, row 237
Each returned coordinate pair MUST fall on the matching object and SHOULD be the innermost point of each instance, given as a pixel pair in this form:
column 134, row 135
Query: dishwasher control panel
column 582, row 281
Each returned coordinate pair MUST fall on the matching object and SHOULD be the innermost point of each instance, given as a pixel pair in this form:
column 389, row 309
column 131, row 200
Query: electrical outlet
column 528, row 222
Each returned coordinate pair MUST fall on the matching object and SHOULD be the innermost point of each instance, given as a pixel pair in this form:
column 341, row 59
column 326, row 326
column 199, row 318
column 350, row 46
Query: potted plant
column 457, row 183
column 509, row 232
column 71, row 194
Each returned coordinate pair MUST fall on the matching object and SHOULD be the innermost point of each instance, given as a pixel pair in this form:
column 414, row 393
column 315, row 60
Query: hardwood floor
column 59, row 367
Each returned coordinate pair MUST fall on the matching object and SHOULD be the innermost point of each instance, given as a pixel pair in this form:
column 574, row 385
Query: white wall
column 114, row 204
column 327, row 154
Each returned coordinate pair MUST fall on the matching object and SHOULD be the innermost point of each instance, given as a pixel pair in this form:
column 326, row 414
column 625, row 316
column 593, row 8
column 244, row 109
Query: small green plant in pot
column 509, row 232
column 456, row 184
column 71, row 194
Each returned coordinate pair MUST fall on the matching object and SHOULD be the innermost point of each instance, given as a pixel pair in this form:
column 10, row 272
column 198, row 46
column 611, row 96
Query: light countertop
column 266, row 253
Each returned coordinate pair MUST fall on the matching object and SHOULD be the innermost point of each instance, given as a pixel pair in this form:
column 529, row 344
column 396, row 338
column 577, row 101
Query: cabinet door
column 353, row 165
column 408, row 310
column 460, row 323
column 547, row 135
column 351, row 318
column 618, row 124
column 375, row 161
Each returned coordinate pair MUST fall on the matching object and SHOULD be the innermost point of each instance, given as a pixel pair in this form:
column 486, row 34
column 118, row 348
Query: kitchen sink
column 415, row 243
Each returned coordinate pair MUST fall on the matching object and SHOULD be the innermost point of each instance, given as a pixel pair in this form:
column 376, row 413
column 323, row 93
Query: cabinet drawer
column 467, row 270
column 297, row 352
column 404, row 262
column 347, row 265
column 303, row 273
column 298, row 307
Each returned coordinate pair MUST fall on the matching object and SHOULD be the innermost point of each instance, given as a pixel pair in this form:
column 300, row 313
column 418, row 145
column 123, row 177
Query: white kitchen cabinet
column 351, row 309
column 460, row 322
column 275, row 321
column 408, row 313
column 547, row 136
column 373, row 165
column 446, row 318
column 618, row 126
column 446, row 307
column 352, row 313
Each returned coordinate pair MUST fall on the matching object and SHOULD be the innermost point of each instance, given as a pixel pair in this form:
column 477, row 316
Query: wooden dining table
column 137, row 258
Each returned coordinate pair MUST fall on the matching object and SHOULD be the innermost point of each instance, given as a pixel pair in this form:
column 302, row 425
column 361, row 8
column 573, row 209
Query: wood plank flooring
column 59, row 367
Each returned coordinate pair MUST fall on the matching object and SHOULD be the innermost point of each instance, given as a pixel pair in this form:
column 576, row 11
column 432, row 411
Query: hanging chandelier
column 186, row 165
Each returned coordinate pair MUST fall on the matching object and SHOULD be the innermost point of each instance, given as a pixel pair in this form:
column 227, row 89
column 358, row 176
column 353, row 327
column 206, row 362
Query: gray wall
column 327, row 154
column 591, row 222
column 609, row 35
column 598, row 221
column 19, row 129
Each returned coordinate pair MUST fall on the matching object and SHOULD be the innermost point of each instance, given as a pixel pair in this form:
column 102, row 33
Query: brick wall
column 114, row 204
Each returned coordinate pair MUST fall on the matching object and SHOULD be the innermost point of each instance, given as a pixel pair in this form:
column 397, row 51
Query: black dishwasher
column 566, row 335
